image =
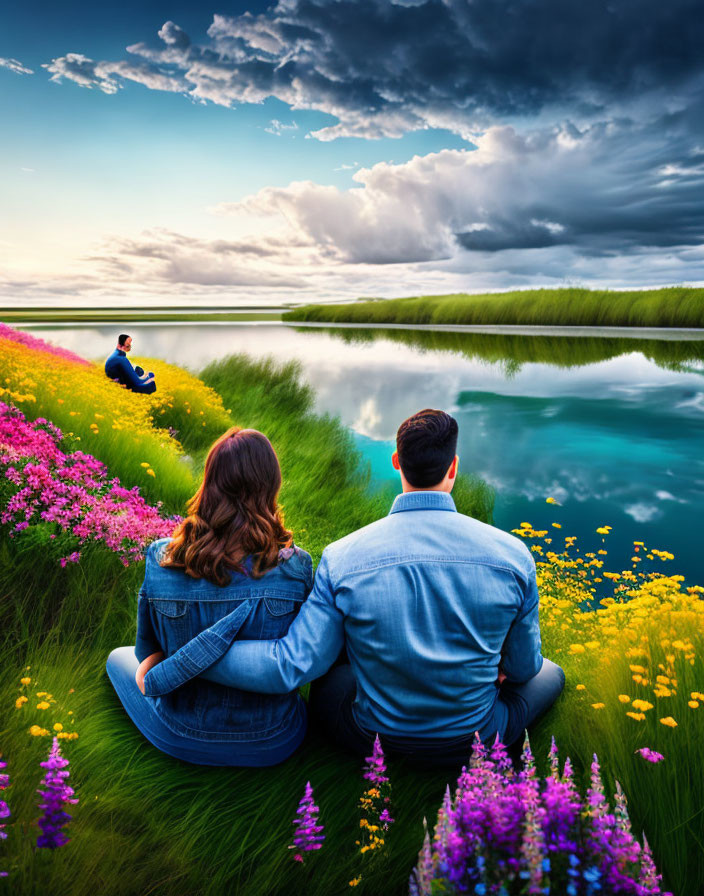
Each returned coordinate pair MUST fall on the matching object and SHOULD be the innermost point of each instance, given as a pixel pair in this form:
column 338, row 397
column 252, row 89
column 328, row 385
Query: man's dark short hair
column 122, row 338
column 426, row 445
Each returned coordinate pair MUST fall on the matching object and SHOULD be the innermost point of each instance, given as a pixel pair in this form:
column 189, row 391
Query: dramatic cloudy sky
column 164, row 150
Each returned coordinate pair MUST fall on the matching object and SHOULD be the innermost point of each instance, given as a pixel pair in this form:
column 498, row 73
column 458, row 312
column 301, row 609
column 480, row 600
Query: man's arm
column 310, row 647
column 521, row 658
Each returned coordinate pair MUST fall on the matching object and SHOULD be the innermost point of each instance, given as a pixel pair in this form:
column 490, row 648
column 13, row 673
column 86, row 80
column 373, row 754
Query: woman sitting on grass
column 231, row 568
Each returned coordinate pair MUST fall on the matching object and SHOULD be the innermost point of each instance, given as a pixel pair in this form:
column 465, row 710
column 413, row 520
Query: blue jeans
column 121, row 667
column 517, row 706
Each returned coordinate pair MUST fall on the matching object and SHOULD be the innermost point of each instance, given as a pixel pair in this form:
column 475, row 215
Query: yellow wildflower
column 19, row 702
column 638, row 716
column 25, row 680
column 624, row 698
column 145, row 464
column 151, row 472
column 597, row 705
column 576, row 648
column 58, row 727
column 693, row 704
column 43, row 705
column 355, row 881
column 36, row 731
column 642, row 705
column 669, row 721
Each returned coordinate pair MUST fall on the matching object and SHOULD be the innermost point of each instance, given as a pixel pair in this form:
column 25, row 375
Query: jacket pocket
column 279, row 606
column 173, row 609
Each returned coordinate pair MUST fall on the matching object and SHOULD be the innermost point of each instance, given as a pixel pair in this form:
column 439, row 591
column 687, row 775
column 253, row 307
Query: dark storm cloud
column 610, row 189
column 383, row 68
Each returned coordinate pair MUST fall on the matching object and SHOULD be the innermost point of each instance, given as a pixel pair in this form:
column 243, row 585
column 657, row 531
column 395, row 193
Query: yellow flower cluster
column 644, row 641
column 84, row 403
column 46, row 701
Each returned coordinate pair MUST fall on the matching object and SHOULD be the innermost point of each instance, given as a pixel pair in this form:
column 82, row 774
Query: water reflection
column 612, row 428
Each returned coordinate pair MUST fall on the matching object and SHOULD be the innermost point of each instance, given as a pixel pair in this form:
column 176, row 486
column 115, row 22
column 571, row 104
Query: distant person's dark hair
column 426, row 445
column 122, row 338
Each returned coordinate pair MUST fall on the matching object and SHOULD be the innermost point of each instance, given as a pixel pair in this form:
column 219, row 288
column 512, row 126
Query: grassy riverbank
column 675, row 306
column 149, row 824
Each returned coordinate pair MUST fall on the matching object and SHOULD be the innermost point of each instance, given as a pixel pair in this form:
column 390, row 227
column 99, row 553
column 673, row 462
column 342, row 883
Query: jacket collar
column 120, row 352
column 423, row 501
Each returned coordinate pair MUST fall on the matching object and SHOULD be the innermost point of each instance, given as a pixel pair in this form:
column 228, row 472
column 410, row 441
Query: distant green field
column 136, row 315
column 674, row 306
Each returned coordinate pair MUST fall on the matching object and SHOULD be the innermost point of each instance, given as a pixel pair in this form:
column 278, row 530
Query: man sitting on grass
column 117, row 367
column 423, row 625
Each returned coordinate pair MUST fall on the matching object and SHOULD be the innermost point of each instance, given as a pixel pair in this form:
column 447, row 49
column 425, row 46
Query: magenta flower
column 650, row 755
column 40, row 345
column 375, row 769
column 71, row 492
column 504, row 832
column 4, row 808
column 309, row 834
column 54, row 797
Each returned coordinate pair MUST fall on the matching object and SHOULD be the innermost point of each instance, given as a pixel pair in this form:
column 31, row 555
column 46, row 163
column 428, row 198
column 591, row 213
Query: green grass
column 133, row 315
column 147, row 823
column 675, row 306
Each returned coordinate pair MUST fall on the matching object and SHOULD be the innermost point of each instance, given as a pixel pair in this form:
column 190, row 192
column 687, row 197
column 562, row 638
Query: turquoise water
column 613, row 436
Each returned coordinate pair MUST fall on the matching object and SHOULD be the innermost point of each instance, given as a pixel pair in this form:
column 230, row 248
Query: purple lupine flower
column 621, row 809
column 553, row 758
column 421, row 881
column 55, row 796
column 4, row 808
column 649, row 877
column 650, row 755
column 505, row 832
column 375, row 770
column 309, row 834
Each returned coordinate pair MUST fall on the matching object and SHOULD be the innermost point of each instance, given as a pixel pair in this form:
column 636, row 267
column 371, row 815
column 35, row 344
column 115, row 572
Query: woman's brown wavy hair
column 234, row 513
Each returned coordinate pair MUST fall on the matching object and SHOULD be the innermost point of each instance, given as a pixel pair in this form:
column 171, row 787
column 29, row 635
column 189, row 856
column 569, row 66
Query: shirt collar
column 120, row 352
column 423, row 500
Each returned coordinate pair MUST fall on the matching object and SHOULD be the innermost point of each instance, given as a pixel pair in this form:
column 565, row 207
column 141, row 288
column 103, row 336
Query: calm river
column 613, row 429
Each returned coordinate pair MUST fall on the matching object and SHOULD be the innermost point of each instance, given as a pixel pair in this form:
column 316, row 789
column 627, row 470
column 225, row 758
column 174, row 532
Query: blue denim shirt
column 117, row 367
column 428, row 603
column 174, row 608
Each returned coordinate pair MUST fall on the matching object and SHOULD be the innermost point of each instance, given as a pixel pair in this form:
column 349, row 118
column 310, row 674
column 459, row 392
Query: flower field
column 629, row 633
column 140, row 437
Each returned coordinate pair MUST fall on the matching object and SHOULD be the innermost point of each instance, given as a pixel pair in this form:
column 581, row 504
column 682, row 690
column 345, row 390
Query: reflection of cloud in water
column 369, row 418
column 643, row 513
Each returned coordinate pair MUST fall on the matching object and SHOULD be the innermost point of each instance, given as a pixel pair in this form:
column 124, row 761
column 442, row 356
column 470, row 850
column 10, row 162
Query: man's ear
column 452, row 472
column 394, row 461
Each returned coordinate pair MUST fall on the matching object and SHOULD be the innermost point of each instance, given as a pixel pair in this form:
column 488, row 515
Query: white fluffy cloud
column 555, row 187
column 15, row 66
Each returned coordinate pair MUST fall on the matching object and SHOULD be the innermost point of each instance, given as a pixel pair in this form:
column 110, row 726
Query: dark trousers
column 517, row 707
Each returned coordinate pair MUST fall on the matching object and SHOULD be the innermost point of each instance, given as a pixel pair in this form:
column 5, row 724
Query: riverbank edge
column 664, row 308
column 671, row 333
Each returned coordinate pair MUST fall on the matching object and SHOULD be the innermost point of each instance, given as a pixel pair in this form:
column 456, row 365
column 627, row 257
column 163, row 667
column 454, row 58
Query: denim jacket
column 428, row 603
column 174, row 608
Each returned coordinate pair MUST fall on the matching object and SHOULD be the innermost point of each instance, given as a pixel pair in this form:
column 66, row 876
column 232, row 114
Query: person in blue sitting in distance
column 117, row 367
column 423, row 625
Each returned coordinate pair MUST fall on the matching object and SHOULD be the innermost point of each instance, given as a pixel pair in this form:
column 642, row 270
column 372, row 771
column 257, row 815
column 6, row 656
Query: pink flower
column 650, row 755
